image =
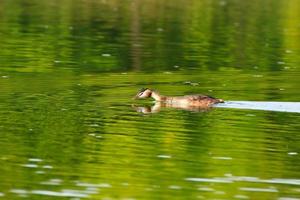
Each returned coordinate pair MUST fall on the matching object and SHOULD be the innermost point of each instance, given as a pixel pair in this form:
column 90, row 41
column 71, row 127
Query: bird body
column 196, row 100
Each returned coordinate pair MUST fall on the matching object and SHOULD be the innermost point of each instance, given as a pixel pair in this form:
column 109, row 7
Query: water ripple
column 260, row 105
column 232, row 179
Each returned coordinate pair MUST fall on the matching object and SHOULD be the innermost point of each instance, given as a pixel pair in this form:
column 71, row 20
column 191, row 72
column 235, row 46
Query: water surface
column 69, row 70
column 263, row 105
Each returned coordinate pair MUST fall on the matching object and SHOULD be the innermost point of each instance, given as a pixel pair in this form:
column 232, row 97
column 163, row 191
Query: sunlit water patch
column 69, row 128
column 259, row 105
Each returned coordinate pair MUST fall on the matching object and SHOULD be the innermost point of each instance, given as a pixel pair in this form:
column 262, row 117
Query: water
column 69, row 128
column 263, row 105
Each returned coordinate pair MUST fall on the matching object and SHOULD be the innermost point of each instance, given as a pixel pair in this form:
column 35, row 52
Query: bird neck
column 155, row 95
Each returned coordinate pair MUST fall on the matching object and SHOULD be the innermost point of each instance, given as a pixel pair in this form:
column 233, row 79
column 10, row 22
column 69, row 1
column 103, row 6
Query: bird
column 196, row 100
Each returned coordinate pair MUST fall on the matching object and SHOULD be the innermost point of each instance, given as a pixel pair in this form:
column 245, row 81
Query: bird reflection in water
column 158, row 106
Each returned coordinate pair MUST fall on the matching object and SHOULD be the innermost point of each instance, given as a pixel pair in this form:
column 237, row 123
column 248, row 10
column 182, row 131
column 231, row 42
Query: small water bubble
column 52, row 182
column 71, row 27
column 176, row 66
column 239, row 196
column 2, row 194
column 62, row 193
column 280, row 63
column 222, row 158
column 160, row 29
column 94, row 125
column 91, row 190
column 288, row 51
column 292, row 153
column 209, row 180
column 155, row 186
column 222, row 3
column 35, row 160
column 92, row 134
column 164, row 156
column 4, row 76
column 30, row 129
column 206, row 189
column 286, row 67
column 18, row 191
column 149, row 189
column 228, row 175
column 40, row 172
column 288, row 198
column 98, row 136
column 281, row 89
column 194, row 84
column 56, row 61
column 258, row 189
column 220, row 192
column 174, row 187
column 56, row 180
column 3, row 158
column 47, row 167
column 167, row 72
column 104, row 185
column 106, row 55
column 99, row 185
column 257, row 75
column 136, row 45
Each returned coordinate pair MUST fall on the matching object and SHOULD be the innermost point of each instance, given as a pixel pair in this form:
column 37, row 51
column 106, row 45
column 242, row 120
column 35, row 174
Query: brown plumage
column 196, row 100
column 200, row 99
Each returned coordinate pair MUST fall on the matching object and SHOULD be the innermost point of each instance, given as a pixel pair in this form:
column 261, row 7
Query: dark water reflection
column 251, row 105
column 68, row 71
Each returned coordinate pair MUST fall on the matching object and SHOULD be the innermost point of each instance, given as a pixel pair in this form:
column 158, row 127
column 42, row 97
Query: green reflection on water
column 69, row 69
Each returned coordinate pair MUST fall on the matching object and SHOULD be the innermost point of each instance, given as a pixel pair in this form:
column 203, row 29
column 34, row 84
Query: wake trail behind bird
column 262, row 105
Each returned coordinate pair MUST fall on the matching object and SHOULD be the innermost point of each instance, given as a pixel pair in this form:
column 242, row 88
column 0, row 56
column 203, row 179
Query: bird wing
column 199, row 97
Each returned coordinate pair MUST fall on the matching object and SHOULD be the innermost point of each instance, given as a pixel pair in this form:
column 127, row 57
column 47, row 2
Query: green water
column 69, row 128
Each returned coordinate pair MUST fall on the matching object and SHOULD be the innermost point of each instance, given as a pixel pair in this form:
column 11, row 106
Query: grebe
column 196, row 100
